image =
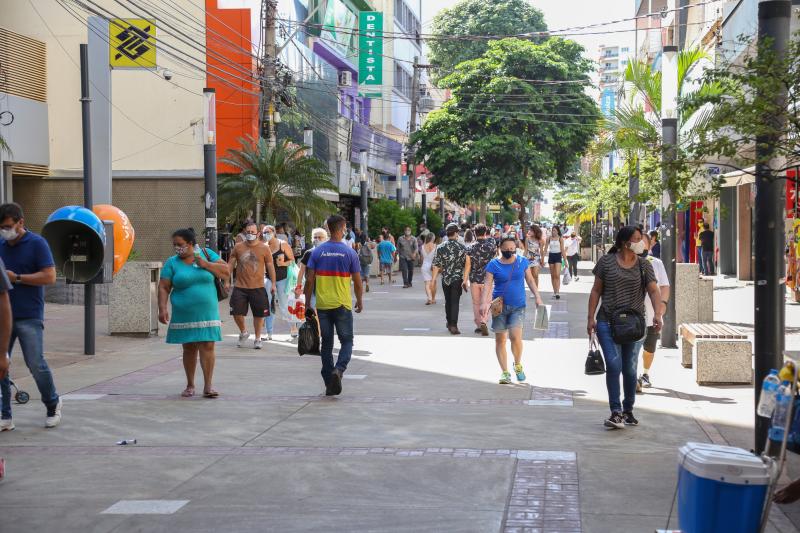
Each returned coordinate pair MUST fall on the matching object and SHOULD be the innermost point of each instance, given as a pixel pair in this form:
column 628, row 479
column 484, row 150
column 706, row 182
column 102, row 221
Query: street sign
column 494, row 208
column 132, row 43
column 370, row 48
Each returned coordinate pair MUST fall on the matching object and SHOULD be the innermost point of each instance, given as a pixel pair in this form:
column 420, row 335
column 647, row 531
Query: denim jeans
column 407, row 268
column 269, row 321
column 30, row 332
column 700, row 260
column 341, row 319
column 708, row 263
column 620, row 359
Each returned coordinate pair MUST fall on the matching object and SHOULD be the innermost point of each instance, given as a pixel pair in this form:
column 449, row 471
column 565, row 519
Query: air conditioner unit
column 345, row 78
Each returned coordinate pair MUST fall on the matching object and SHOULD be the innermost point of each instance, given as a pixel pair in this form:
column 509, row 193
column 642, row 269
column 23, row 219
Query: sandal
column 188, row 392
column 428, row 302
column 210, row 394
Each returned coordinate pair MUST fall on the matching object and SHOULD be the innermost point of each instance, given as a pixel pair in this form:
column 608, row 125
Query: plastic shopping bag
column 542, row 320
column 566, row 278
column 292, row 272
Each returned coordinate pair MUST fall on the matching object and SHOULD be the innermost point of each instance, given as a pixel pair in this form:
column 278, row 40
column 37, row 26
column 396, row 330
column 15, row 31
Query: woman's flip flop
column 188, row 392
column 210, row 394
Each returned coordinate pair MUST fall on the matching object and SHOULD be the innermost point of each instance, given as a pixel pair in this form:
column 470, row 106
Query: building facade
column 147, row 129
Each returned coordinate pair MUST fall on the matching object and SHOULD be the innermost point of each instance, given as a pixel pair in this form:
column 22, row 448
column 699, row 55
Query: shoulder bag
column 627, row 323
column 496, row 307
column 222, row 291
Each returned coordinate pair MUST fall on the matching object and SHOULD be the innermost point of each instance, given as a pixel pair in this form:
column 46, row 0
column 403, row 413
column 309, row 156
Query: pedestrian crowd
column 270, row 272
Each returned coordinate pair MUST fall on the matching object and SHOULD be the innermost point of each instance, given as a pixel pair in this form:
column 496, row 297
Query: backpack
column 365, row 254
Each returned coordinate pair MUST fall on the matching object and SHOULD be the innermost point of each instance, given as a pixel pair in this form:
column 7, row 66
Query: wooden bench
column 720, row 353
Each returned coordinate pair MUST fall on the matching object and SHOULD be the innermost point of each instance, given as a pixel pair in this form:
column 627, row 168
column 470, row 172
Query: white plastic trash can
column 720, row 489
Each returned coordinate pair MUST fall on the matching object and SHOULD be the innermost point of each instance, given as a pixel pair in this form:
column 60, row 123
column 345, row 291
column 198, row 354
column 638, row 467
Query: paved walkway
column 422, row 439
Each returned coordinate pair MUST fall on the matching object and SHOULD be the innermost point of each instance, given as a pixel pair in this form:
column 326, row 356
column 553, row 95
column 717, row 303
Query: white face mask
column 637, row 247
column 267, row 236
column 180, row 250
column 9, row 234
column 250, row 236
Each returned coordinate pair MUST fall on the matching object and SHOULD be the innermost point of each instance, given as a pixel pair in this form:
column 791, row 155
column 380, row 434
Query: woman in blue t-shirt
column 506, row 277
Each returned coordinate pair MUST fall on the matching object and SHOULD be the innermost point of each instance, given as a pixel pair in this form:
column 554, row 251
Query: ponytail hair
column 624, row 235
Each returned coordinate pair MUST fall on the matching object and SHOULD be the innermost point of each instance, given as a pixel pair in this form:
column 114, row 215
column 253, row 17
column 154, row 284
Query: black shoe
column 336, row 382
column 484, row 329
column 615, row 421
column 629, row 419
column 477, row 330
column 558, row 296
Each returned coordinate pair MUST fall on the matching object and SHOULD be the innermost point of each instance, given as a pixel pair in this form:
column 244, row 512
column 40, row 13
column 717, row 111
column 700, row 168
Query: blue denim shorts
column 511, row 317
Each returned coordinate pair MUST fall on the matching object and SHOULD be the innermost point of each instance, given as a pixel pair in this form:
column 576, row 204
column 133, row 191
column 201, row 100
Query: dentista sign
column 370, row 48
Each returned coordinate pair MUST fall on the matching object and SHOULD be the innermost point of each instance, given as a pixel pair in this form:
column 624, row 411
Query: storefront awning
column 739, row 177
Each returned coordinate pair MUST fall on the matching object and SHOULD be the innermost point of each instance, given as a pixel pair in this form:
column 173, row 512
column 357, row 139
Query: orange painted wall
column 228, row 35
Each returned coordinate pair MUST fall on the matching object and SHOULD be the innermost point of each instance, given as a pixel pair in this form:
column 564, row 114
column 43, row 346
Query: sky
column 566, row 14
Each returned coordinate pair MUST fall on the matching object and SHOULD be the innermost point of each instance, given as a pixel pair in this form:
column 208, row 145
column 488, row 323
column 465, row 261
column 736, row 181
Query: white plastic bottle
column 769, row 389
column 783, row 402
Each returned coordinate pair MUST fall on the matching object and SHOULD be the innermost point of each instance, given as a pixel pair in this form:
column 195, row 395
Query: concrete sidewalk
column 422, row 439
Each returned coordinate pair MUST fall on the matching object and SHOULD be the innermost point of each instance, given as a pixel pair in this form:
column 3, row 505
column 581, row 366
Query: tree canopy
column 478, row 18
column 518, row 120
column 750, row 92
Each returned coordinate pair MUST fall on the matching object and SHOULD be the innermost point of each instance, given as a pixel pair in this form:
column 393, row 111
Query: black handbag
column 222, row 291
column 627, row 324
column 594, row 361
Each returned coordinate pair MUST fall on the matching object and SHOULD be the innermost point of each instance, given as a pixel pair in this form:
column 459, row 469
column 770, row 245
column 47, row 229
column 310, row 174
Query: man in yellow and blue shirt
column 330, row 268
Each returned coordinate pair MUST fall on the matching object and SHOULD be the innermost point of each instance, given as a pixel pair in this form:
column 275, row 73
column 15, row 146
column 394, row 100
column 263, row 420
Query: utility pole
column 773, row 31
column 412, row 151
column 268, row 81
column 86, row 123
column 669, row 134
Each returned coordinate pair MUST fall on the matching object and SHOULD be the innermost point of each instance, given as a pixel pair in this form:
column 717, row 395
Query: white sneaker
column 6, row 425
column 257, row 344
column 243, row 338
column 53, row 421
column 269, row 336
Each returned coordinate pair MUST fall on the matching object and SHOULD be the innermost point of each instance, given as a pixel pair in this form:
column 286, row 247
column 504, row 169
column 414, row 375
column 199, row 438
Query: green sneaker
column 505, row 378
column 520, row 373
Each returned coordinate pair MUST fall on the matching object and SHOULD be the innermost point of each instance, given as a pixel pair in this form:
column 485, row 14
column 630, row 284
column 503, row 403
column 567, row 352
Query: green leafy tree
column 282, row 179
column 747, row 110
column 478, row 18
column 518, row 120
column 434, row 220
column 388, row 213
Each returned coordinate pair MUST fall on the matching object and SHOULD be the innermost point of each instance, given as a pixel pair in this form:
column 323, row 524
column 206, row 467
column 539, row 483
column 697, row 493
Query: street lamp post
column 769, row 326
column 399, row 185
column 308, row 140
column 424, row 185
column 210, row 165
column 364, row 202
column 669, row 133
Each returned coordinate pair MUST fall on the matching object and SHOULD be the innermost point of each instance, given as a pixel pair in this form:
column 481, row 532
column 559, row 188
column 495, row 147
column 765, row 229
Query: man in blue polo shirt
column 30, row 267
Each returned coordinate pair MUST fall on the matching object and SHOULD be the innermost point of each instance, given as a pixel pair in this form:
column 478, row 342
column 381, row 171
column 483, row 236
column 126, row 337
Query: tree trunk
column 482, row 212
column 258, row 211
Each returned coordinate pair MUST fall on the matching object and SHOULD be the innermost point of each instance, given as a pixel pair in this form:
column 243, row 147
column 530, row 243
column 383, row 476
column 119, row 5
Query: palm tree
column 635, row 127
column 4, row 147
column 280, row 178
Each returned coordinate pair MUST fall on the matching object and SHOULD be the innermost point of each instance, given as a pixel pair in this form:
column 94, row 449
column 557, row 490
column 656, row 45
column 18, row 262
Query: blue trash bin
column 720, row 489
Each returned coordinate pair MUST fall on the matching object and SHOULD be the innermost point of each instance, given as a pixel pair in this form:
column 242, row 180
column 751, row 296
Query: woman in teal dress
column 187, row 281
